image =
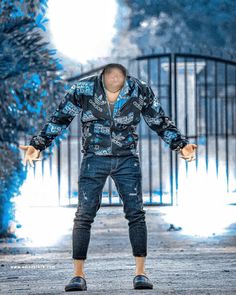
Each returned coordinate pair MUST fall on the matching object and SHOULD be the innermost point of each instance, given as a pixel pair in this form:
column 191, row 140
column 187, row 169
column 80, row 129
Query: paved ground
column 176, row 264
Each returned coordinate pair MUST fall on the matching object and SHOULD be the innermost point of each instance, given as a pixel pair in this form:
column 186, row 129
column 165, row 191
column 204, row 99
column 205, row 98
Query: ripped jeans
column 126, row 174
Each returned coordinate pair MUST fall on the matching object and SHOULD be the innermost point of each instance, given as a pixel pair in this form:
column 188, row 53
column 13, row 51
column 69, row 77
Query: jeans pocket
column 88, row 155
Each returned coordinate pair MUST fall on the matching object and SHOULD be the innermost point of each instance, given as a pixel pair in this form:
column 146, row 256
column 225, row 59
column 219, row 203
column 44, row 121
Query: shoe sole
column 75, row 288
column 142, row 286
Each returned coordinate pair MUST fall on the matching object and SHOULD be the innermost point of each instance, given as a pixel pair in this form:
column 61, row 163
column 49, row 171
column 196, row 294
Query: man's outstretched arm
column 157, row 120
column 60, row 119
column 68, row 108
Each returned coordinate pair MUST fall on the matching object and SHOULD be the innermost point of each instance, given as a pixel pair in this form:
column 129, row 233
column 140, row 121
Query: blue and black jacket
column 104, row 133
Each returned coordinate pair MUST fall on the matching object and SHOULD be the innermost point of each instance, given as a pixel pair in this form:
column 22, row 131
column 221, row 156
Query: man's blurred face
column 114, row 80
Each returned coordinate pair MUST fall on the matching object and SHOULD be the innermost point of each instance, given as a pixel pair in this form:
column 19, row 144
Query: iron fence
column 198, row 92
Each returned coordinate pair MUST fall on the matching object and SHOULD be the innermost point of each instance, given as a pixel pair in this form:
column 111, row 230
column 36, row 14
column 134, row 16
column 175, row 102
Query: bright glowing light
column 82, row 30
column 43, row 226
column 42, row 222
column 202, row 209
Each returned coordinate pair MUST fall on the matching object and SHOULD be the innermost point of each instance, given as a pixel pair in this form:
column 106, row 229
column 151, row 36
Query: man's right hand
column 32, row 154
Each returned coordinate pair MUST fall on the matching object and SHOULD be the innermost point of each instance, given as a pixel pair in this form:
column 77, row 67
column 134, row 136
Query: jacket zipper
column 104, row 92
column 128, row 99
column 122, row 106
column 108, row 106
column 111, row 120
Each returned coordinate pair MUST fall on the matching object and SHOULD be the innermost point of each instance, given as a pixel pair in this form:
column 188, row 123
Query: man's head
column 114, row 76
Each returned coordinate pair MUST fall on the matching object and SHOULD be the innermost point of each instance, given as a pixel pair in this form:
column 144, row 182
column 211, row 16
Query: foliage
column 29, row 79
column 188, row 23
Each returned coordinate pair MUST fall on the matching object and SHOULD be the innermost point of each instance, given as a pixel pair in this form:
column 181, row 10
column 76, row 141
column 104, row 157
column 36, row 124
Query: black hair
column 111, row 66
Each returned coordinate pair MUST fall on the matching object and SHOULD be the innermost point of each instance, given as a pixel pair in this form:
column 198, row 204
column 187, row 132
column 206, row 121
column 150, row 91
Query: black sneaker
column 142, row 282
column 76, row 284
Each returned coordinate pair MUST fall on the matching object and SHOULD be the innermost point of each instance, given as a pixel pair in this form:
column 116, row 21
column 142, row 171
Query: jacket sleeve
column 157, row 120
column 60, row 119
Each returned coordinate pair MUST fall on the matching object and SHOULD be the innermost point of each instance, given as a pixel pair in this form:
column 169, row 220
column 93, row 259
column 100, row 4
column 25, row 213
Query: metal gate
column 199, row 94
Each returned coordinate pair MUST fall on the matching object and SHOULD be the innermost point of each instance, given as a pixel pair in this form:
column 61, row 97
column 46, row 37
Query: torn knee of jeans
column 84, row 195
column 132, row 190
column 133, row 194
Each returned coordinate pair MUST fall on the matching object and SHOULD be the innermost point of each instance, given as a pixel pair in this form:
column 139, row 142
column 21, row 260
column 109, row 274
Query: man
column 112, row 104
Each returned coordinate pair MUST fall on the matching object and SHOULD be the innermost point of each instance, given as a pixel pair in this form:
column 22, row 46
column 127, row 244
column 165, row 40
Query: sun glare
column 203, row 208
column 82, row 30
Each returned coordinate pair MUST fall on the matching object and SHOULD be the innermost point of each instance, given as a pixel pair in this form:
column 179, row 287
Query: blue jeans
column 126, row 173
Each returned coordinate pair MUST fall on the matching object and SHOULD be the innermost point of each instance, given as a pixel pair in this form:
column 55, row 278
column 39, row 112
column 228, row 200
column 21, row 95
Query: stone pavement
column 176, row 263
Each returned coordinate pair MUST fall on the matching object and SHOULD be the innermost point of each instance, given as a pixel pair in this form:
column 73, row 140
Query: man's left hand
column 188, row 152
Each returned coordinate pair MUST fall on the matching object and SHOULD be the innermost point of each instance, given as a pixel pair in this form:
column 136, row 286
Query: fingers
column 189, row 158
column 25, row 161
column 29, row 156
column 30, row 161
column 188, row 155
column 39, row 159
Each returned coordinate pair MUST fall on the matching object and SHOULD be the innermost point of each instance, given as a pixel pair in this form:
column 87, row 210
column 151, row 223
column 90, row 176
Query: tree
column 185, row 23
column 29, row 78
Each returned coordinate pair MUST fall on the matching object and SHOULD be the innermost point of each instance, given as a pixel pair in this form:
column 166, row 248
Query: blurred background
column 184, row 49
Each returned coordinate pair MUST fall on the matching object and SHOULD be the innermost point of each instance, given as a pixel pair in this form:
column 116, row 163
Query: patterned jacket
column 102, row 133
